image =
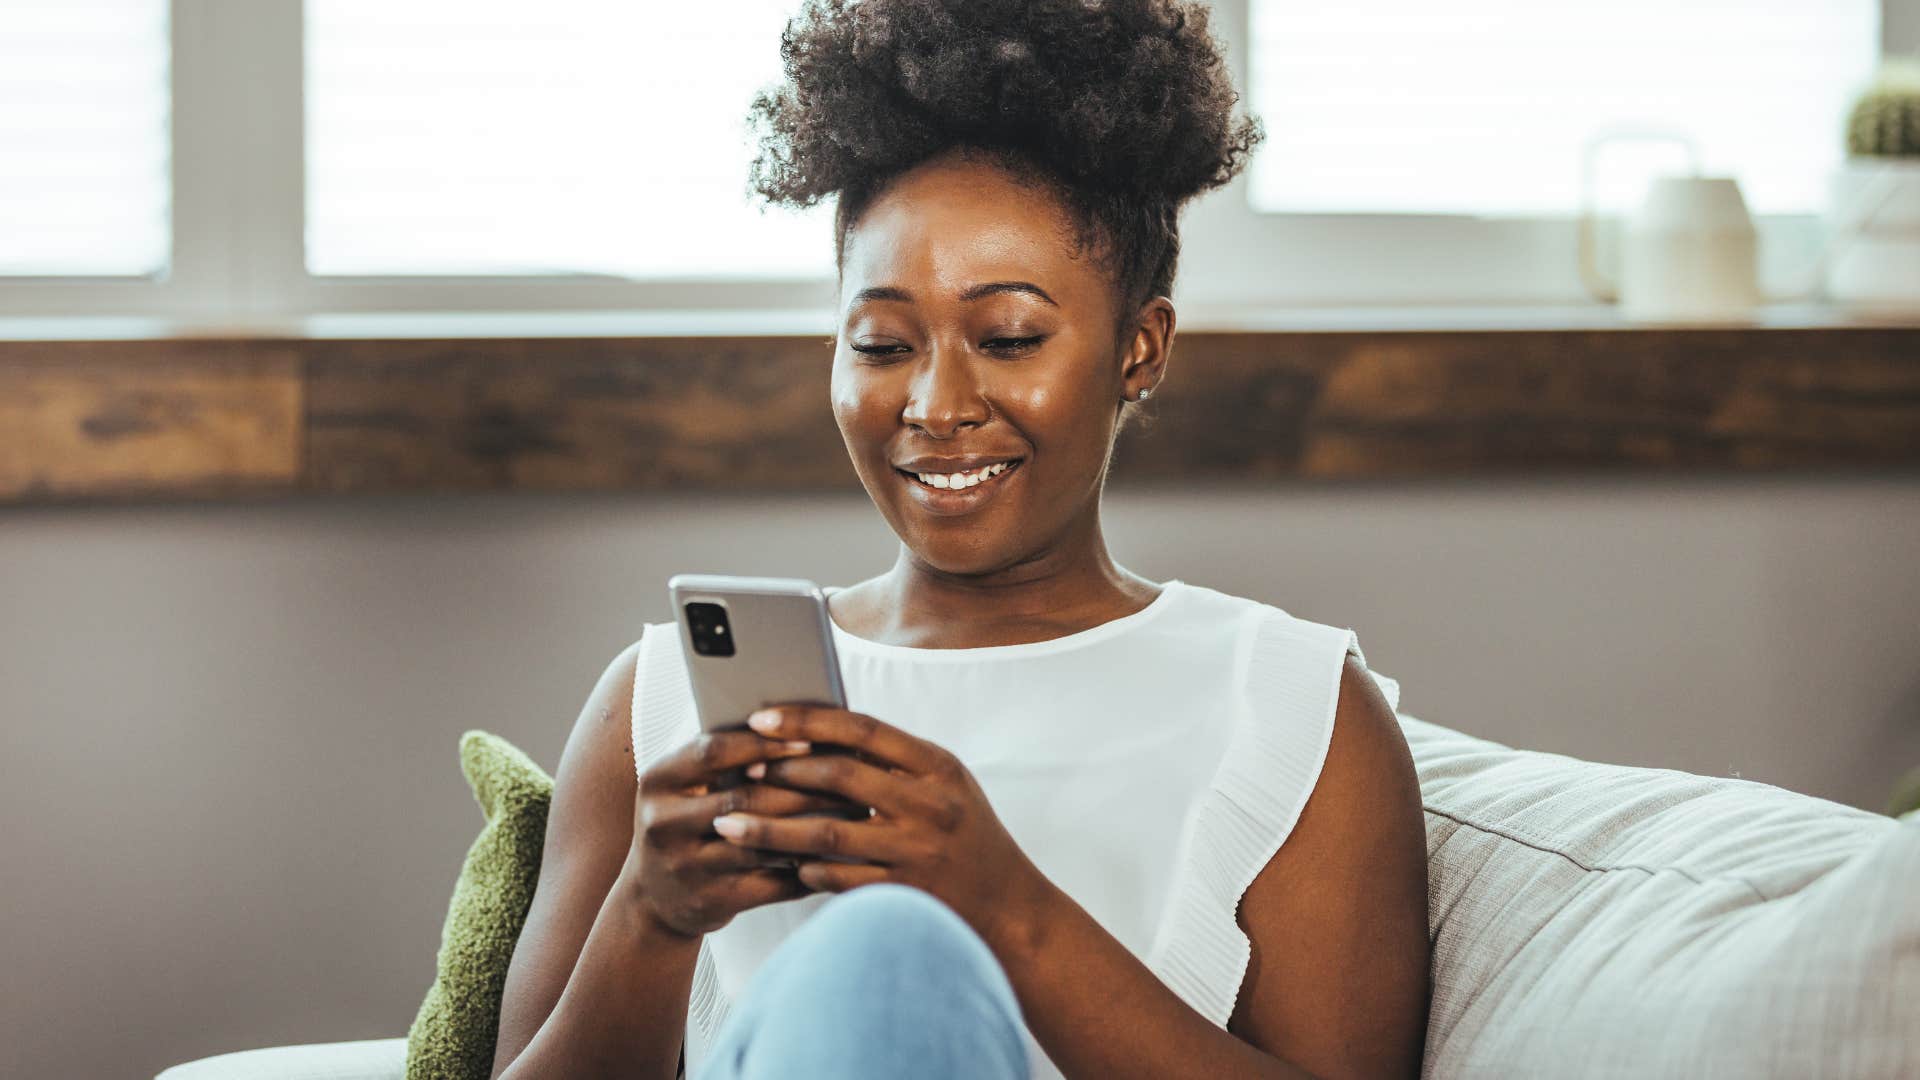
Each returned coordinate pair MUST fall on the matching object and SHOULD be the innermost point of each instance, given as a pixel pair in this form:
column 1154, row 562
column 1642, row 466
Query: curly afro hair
column 1123, row 108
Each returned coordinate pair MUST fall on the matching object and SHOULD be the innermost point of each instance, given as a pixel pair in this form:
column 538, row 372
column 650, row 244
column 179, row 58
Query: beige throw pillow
column 1602, row 920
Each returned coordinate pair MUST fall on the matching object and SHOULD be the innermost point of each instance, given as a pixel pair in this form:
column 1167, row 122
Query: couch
column 1593, row 920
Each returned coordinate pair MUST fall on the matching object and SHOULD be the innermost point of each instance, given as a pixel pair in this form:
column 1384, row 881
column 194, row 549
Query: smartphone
column 754, row 641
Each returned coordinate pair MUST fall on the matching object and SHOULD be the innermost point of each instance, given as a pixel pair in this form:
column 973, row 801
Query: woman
column 1119, row 828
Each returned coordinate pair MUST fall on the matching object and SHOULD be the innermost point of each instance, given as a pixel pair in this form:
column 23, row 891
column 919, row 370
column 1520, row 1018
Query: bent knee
column 880, row 972
column 886, row 906
column 888, row 921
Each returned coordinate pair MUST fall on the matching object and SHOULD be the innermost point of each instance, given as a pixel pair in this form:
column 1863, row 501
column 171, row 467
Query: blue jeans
column 883, row 981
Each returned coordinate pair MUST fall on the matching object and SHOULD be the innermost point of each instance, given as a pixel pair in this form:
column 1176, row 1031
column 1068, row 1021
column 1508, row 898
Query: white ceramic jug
column 1691, row 252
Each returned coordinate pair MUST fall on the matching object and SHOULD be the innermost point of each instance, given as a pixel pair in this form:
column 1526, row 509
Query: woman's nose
column 943, row 393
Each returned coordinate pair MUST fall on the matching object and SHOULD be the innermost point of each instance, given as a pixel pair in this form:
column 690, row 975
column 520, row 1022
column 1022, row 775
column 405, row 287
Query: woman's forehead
column 943, row 230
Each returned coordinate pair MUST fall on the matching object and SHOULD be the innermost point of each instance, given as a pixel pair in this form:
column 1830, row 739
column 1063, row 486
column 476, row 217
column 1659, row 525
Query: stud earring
column 1144, row 391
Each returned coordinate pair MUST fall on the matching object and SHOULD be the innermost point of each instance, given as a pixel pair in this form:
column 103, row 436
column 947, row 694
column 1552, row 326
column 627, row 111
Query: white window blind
column 456, row 137
column 84, row 186
column 1483, row 106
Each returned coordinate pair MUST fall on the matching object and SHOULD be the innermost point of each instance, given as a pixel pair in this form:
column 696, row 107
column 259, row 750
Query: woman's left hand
column 932, row 827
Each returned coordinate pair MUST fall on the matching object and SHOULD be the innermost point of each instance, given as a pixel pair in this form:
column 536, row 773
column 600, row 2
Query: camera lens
column 707, row 625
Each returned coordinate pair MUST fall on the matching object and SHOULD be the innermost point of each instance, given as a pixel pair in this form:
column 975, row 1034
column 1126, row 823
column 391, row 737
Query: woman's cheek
column 1037, row 408
column 861, row 412
column 845, row 396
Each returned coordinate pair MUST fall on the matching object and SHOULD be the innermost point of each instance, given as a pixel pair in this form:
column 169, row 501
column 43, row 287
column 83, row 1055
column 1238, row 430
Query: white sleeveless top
column 1224, row 704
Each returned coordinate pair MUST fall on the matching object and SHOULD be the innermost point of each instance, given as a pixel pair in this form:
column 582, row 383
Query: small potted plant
column 1906, row 795
column 1875, row 219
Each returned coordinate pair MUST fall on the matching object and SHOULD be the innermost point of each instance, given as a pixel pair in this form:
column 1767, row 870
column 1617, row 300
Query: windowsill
column 475, row 325
column 109, row 409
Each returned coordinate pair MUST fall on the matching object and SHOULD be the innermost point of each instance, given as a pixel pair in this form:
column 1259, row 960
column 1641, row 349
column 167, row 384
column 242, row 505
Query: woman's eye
column 879, row 350
column 1013, row 345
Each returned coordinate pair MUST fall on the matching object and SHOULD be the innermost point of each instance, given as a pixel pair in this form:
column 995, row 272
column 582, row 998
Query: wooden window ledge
column 129, row 409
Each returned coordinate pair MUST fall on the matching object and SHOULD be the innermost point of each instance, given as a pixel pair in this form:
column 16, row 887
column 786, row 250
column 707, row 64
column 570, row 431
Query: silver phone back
column 782, row 642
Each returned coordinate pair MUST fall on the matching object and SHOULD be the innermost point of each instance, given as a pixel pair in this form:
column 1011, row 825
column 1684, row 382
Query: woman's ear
column 1148, row 346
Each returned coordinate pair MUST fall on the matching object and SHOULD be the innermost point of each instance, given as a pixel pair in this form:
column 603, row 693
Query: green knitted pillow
column 453, row 1036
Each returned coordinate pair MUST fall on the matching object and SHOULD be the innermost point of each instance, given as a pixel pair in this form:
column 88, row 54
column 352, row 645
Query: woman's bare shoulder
column 1337, row 981
column 589, row 829
column 595, row 784
column 608, row 713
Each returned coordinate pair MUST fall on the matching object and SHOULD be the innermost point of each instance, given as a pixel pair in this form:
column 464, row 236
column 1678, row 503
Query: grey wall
column 1900, row 26
column 233, row 811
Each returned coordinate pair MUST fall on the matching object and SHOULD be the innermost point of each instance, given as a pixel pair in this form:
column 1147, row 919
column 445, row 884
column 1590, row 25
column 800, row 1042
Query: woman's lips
column 949, row 501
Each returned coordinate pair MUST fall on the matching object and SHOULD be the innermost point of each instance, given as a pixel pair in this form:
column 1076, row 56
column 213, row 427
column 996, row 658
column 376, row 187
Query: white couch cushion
column 1595, row 920
column 1604, row 920
column 367, row 1059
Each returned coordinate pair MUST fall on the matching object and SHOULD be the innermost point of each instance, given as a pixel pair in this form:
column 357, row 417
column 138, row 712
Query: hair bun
column 1126, row 98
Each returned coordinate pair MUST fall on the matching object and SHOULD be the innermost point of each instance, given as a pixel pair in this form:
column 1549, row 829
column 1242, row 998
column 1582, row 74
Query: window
column 83, row 137
column 232, row 160
column 1483, row 106
column 582, row 136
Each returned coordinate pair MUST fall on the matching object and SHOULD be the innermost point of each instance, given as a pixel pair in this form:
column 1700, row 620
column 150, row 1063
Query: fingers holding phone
column 750, row 642
column 691, row 879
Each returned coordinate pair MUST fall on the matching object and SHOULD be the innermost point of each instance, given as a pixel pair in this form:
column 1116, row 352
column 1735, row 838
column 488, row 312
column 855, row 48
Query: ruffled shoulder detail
column 663, row 709
column 1290, row 669
column 664, row 717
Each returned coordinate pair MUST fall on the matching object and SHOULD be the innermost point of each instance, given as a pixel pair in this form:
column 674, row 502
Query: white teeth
column 954, row 481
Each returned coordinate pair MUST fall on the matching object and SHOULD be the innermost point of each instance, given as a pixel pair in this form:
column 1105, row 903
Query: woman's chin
column 958, row 551
column 951, row 554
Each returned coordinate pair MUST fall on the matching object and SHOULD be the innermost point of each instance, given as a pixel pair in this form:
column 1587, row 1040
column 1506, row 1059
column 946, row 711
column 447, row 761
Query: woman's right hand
column 692, row 881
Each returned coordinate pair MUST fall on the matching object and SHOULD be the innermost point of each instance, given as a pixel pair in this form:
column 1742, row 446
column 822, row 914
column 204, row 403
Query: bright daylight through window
column 83, row 137
column 582, row 136
column 1483, row 106
column 476, row 138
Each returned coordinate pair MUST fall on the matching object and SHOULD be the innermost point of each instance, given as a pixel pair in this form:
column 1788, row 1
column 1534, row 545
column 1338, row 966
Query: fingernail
column 764, row 720
column 757, row 770
column 729, row 826
column 798, row 746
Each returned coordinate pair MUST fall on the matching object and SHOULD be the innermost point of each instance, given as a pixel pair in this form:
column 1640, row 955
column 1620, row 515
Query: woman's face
column 972, row 335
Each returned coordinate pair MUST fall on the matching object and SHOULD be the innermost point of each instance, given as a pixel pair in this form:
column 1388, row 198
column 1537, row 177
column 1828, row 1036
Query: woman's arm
column 1337, row 981
column 629, row 884
column 624, row 1005
column 595, row 987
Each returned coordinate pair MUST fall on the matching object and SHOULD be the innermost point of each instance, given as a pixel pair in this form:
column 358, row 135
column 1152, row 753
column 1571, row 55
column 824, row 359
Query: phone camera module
column 707, row 623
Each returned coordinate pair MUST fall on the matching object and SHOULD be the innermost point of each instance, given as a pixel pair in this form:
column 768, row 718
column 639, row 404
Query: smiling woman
column 1009, row 179
column 1146, row 829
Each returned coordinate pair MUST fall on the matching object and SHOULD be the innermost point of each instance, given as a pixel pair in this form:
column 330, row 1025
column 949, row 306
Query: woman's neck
column 1051, row 595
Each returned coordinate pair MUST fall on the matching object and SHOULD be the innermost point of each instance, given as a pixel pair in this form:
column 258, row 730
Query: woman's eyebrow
column 973, row 292
column 991, row 287
column 881, row 292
